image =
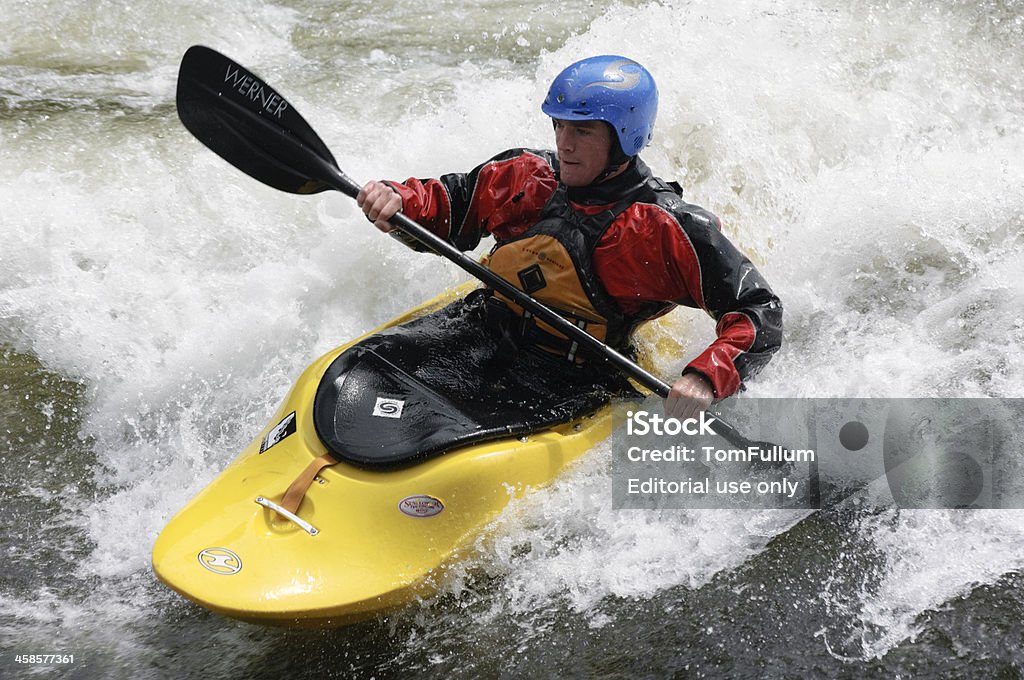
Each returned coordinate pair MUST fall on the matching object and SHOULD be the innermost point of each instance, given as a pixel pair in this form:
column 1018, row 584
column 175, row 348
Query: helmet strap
column 606, row 173
column 616, row 159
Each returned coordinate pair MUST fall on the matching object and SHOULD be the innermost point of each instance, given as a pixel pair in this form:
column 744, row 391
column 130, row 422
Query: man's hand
column 690, row 395
column 379, row 203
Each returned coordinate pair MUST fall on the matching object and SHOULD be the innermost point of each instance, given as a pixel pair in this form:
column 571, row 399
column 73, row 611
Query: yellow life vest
column 552, row 261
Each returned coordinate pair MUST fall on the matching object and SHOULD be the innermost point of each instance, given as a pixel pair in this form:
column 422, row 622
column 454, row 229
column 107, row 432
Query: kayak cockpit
column 444, row 381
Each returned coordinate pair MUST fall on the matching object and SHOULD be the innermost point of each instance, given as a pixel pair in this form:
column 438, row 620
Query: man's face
column 583, row 147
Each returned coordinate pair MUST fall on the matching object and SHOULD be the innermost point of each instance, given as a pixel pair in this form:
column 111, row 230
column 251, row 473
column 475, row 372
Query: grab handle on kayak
column 306, row 526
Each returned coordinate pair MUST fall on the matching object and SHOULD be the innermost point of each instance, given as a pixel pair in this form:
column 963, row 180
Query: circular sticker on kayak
column 220, row 561
column 420, row 506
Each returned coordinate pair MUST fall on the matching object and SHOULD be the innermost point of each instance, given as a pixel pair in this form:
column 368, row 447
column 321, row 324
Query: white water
column 866, row 156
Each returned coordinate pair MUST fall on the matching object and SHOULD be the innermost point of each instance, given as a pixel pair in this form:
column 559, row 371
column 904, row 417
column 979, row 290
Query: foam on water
column 110, row 36
column 567, row 545
column 932, row 558
column 867, row 158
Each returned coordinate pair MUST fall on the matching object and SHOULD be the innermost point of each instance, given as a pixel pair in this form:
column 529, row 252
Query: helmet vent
column 638, row 142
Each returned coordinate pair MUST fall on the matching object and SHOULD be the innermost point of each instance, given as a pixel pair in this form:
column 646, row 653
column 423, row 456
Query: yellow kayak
column 377, row 528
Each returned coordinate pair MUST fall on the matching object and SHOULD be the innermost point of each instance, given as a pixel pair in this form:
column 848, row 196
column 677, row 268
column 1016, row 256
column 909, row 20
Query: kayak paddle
column 249, row 124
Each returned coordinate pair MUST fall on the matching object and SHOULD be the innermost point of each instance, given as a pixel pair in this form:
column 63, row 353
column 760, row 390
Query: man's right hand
column 379, row 203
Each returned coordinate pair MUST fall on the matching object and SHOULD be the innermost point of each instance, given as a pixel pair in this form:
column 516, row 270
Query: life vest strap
column 523, row 331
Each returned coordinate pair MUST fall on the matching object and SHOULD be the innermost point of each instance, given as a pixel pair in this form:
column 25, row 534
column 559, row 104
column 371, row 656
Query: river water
column 156, row 305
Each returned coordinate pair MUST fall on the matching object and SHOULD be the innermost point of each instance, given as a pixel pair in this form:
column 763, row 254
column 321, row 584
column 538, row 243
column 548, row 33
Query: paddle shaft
column 438, row 245
column 597, row 348
column 343, row 183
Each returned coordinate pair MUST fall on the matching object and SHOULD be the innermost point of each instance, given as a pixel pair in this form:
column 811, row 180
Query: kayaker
column 589, row 230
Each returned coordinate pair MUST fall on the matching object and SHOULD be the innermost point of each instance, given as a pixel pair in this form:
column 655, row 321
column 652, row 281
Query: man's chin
column 573, row 178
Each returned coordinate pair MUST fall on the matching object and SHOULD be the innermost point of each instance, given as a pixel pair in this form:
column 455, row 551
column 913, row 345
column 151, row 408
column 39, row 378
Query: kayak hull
column 364, row 541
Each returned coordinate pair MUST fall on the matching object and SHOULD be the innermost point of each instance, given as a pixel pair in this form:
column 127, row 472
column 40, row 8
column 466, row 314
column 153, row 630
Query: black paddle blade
column 248, row 124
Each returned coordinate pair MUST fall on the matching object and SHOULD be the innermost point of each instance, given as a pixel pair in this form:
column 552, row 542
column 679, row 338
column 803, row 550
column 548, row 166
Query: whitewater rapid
column 866, row 156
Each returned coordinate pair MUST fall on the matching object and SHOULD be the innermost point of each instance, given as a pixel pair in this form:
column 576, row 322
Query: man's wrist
column 703, row 378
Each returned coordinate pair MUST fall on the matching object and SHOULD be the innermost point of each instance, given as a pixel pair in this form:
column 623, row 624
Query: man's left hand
column 690, row 395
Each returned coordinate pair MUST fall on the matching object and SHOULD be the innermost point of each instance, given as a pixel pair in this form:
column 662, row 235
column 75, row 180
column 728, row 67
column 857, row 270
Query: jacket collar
column 614, row 189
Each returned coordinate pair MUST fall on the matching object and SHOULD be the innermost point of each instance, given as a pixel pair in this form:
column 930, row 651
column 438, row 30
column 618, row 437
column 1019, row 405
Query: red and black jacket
column 658, row 250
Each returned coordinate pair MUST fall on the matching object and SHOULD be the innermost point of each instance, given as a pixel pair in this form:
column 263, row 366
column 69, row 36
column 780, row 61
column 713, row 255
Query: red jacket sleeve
column 503, row 196
column 676, row 253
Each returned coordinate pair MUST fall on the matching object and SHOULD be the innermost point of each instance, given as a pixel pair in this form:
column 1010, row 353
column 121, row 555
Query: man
column 592, row 233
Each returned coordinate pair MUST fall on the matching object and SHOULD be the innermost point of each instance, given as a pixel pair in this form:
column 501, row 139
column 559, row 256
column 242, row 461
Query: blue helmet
column 614, row 89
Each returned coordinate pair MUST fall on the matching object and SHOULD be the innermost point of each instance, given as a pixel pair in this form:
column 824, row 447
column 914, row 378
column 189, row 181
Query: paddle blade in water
column 249, row 124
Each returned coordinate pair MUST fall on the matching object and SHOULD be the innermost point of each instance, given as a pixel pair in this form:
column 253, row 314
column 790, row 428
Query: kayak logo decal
column 420, row 506
column 220, row 561
column 388, row 408
column 283, row 429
